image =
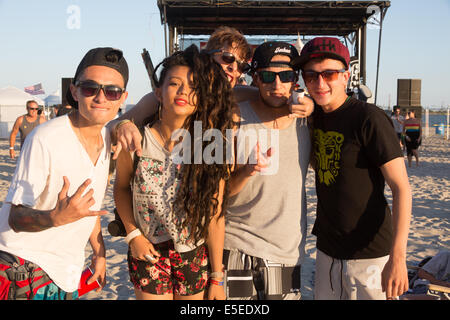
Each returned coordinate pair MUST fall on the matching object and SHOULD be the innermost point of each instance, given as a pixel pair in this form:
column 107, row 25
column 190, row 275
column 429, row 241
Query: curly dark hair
column 197, row 196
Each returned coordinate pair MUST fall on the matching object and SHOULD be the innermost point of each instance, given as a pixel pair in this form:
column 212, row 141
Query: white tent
column 12, row 105
column 53, row 99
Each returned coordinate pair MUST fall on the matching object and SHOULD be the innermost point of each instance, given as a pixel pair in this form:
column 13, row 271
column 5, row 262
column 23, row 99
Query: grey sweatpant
column 348, row 279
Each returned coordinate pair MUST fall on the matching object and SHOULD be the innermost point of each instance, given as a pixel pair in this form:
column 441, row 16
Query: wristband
column 217, row 283
column 133, row 234
column 11, row 148
column 217, row 274
column 121, row 123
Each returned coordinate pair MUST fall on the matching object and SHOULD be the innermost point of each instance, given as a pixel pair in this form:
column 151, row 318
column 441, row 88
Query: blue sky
column 40, row 42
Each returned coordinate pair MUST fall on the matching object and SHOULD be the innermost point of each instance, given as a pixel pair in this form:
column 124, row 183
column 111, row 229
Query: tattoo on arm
column 26, row 219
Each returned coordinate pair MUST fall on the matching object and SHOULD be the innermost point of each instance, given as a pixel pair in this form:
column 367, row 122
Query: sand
column 429, row 233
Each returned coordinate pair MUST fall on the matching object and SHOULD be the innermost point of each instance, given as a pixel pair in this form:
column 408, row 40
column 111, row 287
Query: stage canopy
column 338, row 18
column 346, row 19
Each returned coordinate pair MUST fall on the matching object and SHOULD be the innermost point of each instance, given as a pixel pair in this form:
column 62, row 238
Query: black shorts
column 183, row 274
column 413, row 144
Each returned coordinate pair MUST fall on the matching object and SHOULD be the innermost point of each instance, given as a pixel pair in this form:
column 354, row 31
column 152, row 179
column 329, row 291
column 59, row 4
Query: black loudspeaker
column 65, row 84
column 416, row 88
column 409, row 92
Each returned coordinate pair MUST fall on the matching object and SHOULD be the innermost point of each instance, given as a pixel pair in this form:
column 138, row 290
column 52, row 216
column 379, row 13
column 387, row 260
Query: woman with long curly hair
column 173, row 212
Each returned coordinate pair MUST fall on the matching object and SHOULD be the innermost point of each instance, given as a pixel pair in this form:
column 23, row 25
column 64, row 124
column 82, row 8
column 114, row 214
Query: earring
column 159, row 110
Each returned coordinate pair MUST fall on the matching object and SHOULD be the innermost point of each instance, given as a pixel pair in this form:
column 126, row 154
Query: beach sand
column 429, row 233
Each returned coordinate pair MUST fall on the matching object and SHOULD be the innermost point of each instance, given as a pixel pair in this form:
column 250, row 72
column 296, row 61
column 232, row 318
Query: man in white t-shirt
column 53, row 204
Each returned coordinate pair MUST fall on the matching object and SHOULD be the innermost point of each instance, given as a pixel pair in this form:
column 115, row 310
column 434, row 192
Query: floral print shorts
column 177, row 273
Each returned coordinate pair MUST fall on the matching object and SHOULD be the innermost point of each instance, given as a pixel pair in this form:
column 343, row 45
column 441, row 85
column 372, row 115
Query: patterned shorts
column 184, row 273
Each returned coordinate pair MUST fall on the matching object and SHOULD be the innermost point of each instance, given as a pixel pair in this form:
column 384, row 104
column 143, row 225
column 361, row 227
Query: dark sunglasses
column 91, row 88
column 327, row 75
column 228, row 57
column 270, row 76
column 33, row 108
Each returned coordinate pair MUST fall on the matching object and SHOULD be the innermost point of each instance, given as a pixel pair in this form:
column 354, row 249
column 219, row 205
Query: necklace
column 277, row 120
column 275, row 124
column 98, row 146
column 165, row 140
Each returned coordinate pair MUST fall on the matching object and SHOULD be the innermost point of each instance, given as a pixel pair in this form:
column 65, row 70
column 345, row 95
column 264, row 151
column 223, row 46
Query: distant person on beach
column 64, row 110
column 25, row 124
column 412, row 130
column 53, row 204
column 231, row 50
column 398, row 120
column 173, row 212
column 361, row 246
column 265, row 229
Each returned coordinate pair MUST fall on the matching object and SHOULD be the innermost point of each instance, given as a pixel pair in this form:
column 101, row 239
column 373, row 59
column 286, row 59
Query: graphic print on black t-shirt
column 327, row 151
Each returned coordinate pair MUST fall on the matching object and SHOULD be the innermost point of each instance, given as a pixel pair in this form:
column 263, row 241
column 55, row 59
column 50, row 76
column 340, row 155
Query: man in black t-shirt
column 361, row 245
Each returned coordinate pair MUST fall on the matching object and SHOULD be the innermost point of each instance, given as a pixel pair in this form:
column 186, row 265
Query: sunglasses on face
column 33, row 108
column 91, row 88
column 270, row 76
column 327, row 75
column 228, row 57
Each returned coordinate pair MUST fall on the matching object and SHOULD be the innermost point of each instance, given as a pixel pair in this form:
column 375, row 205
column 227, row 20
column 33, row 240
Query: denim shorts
column 177, row 273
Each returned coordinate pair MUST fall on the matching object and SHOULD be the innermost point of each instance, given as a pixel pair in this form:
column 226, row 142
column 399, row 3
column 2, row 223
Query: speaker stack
column 65, row 84
column 409, row 96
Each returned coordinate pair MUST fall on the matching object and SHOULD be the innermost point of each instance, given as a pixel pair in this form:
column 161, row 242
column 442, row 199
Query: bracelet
column 217, row 274
column 133, row 234
column 121, row 123
column 11, row 148
column 217, row 283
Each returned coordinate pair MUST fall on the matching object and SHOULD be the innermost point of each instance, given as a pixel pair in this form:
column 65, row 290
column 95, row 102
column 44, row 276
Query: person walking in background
column 361, row 246
column 412, row 130
column 49, row 214
column 174, row 213
column 25, row 124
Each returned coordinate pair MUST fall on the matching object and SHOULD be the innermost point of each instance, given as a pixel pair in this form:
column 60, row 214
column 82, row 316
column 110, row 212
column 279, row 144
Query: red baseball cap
column 327, row 47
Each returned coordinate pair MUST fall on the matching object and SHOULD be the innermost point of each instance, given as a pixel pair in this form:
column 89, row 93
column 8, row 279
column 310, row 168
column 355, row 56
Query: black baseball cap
column 108, row 57
column 266, row 51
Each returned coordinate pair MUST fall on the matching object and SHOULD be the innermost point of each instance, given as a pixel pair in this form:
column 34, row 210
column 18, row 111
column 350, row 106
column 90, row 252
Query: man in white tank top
column 25, row 124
